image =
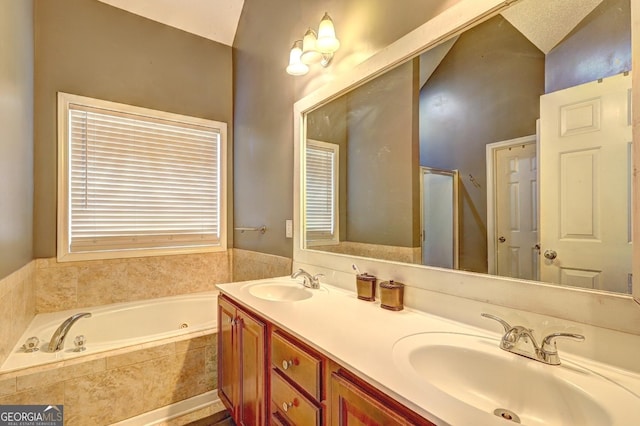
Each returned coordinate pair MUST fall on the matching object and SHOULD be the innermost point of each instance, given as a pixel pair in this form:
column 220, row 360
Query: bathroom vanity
column 267, row 375
column 290, row 355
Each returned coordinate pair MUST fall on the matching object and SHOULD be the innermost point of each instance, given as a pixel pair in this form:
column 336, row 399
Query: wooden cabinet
column 297, row 385
column 242, row 363
column 355, row 403
column 266, row 376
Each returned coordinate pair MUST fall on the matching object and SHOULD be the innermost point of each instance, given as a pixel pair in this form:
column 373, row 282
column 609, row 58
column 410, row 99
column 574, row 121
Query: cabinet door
column 228, row 380
column 352, row 406
column 252, row 334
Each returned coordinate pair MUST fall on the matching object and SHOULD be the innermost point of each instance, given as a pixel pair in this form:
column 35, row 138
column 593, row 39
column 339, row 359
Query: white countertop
column 361, row 335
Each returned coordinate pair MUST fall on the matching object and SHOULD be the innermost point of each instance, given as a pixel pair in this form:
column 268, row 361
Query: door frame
column 491, row 149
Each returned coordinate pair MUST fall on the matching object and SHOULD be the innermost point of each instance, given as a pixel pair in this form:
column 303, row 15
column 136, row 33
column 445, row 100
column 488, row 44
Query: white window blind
column 321, row 191
column 139, row 181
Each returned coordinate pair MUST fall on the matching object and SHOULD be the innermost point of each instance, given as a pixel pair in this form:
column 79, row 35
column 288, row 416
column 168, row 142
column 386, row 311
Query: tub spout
column 57, row 340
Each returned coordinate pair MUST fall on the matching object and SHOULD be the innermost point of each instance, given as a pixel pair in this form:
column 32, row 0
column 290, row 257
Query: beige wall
column 16, row 135
column 88, row 48
column 264, row 95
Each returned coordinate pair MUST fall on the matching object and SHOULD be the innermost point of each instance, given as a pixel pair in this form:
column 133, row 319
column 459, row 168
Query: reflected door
column 439, row 198
column 585, row 152
column 517, row 211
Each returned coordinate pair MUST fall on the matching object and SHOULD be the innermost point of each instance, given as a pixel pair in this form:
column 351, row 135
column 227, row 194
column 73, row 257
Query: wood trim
column 353, row 397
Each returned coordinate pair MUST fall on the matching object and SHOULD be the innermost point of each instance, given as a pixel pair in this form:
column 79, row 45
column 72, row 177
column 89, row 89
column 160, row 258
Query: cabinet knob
column 287, row 405
column 287, row 363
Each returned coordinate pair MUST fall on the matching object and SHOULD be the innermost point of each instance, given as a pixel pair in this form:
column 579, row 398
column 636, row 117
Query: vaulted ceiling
column 544, row 22
column 216, row 20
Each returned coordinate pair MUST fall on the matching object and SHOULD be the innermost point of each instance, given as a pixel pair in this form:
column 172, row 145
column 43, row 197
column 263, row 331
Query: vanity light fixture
column 314, row 48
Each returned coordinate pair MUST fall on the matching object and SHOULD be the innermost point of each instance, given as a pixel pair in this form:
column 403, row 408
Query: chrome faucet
column 546, row 353
column 57, row 340
column 310, row 281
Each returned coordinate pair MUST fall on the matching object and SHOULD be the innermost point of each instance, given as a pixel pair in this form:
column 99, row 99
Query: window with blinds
column 321, row 192
column 137, row 180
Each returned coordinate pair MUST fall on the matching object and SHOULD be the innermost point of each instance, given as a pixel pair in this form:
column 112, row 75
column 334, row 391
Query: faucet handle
column 551, row 340
column 549, row 351
column 316, row 277
column 79, row 343
column 505, row 324
column 31, row 344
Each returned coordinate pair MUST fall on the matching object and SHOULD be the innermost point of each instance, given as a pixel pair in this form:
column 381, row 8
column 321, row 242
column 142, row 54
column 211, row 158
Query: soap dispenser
column 392, row 295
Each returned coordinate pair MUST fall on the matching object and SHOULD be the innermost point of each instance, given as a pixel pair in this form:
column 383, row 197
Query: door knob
column 502, row 239
column 550, row 254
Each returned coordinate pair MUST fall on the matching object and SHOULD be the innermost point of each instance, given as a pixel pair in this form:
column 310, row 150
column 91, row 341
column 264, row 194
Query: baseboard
column 173, row 411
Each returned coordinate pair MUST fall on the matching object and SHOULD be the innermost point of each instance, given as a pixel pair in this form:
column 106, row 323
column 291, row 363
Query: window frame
column 63, row 252
column 335, row 238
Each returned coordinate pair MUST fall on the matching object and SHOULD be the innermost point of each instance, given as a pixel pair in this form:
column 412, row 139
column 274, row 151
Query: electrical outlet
column 289, row 228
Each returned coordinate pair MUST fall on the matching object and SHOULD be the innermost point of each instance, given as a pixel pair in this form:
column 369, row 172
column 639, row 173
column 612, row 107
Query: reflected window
column 321, row 189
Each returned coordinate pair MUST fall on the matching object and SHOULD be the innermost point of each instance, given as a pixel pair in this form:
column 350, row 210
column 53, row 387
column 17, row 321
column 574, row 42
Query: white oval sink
column 279, row 291
column 476, row 372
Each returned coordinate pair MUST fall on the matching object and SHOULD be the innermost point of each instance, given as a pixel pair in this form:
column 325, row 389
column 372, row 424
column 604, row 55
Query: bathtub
column 120, row 325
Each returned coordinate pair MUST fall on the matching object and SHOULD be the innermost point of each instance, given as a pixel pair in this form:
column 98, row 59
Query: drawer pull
column 288, row 363
column 287, row 405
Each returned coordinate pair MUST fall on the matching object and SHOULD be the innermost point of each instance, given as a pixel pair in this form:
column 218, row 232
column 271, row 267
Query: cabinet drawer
column 296, row 407
column 296, row 363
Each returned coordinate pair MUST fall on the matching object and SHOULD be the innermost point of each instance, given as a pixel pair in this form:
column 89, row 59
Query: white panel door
column 517, row 211
column 585, row 216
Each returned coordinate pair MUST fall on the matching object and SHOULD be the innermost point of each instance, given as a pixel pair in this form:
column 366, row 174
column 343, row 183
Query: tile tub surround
column 116, row 385
column 376, row 251
column 17, row 308
column 252, row 265
column 69, row 285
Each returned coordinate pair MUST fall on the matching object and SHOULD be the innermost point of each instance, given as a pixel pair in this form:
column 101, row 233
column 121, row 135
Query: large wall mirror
column 504, row 149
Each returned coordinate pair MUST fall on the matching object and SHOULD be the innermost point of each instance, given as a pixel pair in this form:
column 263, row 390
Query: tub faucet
column 57, row 340
column 546, row 352
column 311, row 281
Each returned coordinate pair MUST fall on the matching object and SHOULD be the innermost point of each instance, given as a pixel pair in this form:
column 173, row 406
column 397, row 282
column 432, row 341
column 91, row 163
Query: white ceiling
column 544, row 22
column 216, row 20
column 547, row 22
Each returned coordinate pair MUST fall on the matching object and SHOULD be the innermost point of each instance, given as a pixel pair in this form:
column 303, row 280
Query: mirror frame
column 575, row 304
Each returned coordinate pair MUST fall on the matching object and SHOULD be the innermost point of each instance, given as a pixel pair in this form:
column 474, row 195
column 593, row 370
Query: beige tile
column 249, row 265
column 7, row 386
column 211, row 366
column 60, row 374
column 6, row 285
column 148, row 278
column 23, row 305
column 174, row 378
column 198, row 342
column 100, row 284
column 140, row 356
column 7, row 340
column 53, row 395
column 105, row 397
column 56, row 289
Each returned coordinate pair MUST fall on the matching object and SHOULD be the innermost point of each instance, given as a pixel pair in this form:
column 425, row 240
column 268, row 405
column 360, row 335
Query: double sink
column 472, row 370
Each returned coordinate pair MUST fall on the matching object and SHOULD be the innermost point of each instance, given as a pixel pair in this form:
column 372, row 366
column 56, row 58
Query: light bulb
column 327, row 41
column 309, row 53
column 296, row 67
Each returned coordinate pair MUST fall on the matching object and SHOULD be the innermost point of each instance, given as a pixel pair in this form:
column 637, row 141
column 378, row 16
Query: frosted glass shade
column 327, row 41
column 309, row 53
column 296, row 67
